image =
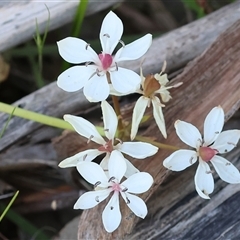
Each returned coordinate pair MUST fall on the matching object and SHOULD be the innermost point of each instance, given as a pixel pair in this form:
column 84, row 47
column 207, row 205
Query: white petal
column 109, row 119
column 116, row 93
column 225, row 169
column 135, row 49
column 213, row 125
column 75, row 50
column 91, row 199
column 84, row 128
column 136, row 204
column 111, row 215
column 137, row 149
column 111, row 32
column 138, row 183
column 180, row 160
column 87, row 155
column 158, row 115
column 138, row 112
column 188, row 133
column 92, row 173
column 75, row 78
column 104, row 163
column 124, row 80
column 162, row 79
column 116, row 165
column 130, row 169
column 226, row 141
column 96, row 88
column 204, row 182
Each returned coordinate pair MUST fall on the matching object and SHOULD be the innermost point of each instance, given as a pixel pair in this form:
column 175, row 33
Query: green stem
column 157, row 144
column 40, row 118
column 8, row 206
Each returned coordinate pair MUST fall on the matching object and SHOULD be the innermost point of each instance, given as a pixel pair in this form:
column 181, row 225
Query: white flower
column 95, row 78
column 151, row 86
column 138, row 183
column 214, row 142
column 86, row 129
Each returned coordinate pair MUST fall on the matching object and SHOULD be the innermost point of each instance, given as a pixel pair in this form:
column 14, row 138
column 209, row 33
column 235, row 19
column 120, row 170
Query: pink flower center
column 106, row 60
column 107, row 147
column 207, row 153
column 116, row 187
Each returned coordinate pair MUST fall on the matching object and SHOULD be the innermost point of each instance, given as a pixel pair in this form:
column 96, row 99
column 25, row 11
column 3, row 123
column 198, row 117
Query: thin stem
column 157, row 144
column 40, row 118
column 8, row 206
column 118, row 112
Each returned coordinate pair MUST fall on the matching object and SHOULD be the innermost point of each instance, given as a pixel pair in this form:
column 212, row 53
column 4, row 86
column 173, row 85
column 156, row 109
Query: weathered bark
column 177, row 212
column 177, row 47
column 180, row 46
column 210, row 80
column 18, row 18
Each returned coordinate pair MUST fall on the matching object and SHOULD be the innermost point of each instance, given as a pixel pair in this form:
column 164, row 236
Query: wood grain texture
column 180, row 46
column 210, row 80
column 177, row 212
column 18, row 18
column 53, row 101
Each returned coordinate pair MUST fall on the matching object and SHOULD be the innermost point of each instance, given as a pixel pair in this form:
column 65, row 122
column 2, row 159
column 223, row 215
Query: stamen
column 106, row 130
column 125, row 189
column 191, row 160
column 128, row 201
column 230, row 143
column 87, row 63
column 227, row 164
column 163, row 67
column 111, row 207
column 90, row 138
column 116, row 66
column 111, row 179
column 87, row 45
column 98, row 72
column 208, row 172
column 106, row 35
column 96, row 184
column 84, row 157
column 97, row 199
column 122, row 42
column 177, row 85
column 217, row 132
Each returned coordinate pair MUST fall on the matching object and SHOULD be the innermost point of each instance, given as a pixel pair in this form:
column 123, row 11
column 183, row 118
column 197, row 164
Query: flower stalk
column 37, row 117
column 117, row 110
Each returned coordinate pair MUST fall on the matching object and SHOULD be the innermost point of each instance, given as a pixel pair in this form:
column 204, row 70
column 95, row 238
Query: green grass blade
column 24, row 224
column 6, row 124
column 77, row 25
column 40, row 118
column 8, row 206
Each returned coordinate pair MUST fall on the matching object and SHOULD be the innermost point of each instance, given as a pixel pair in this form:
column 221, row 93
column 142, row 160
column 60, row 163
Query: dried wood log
column 53, row 101
column 18, row 18
column 180, row 46
column 177, row 212
column 210, row 80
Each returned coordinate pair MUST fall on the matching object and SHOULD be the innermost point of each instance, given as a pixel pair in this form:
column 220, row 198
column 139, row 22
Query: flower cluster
column 99, row 76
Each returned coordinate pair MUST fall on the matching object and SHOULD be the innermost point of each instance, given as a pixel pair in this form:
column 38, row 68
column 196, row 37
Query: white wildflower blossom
column 152, row 86
column 101, row 70
column 139, row 150
column 106, row 184
column 214, row 142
